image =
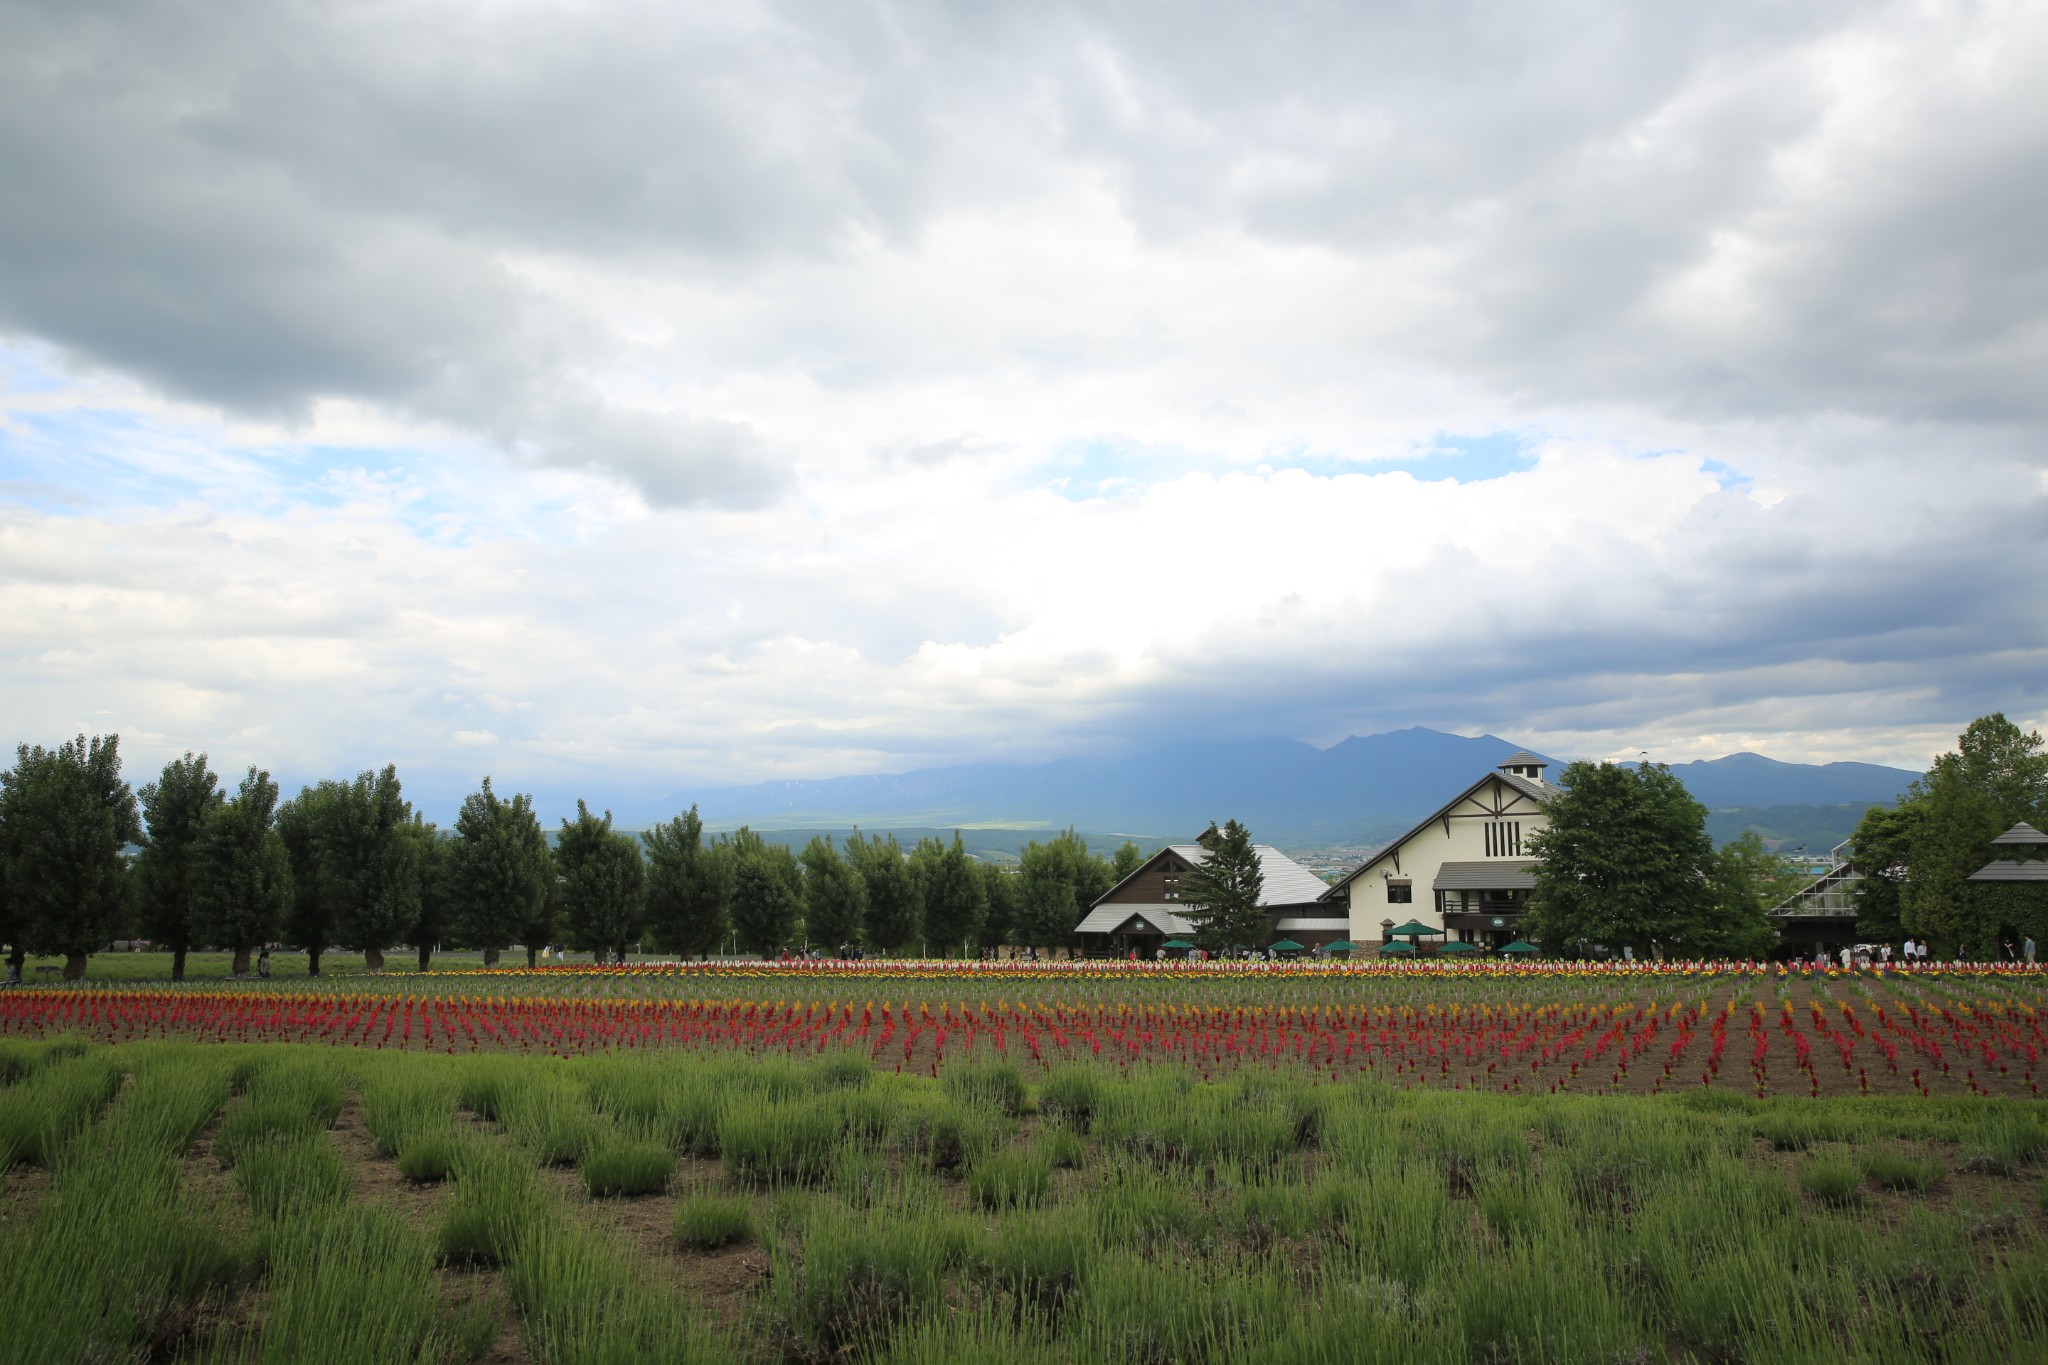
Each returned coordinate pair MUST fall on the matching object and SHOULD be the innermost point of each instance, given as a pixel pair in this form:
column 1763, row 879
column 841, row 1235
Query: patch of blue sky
column 1101, row 467
column 86, row 457
column 1468, row 457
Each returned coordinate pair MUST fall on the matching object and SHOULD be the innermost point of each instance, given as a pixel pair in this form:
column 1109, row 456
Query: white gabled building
column 1466, row 870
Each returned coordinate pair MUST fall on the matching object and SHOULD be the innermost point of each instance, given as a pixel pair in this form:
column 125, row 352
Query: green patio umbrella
column 1520, row 947
column 1342, row 945
column 1457, row 946
column 1176, row 943
column 1285, row 945
column 1404, row 949
column 1414, row 927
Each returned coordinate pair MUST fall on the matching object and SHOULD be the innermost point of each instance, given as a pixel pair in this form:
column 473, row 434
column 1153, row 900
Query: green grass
column 706, row 1222
column 624, row 1167
column 1892, row 1169
column 1147, row 1216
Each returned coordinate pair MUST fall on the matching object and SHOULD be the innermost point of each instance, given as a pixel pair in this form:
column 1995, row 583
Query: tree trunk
column 17, row 960
column 312, row 962
column 373, row 958
column 426, row 955
column 74, row 966
column 491, row 957
column 241, row 967
column 178, row 964
column 532, row 956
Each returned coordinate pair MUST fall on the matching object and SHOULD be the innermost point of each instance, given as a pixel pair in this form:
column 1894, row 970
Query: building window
column 1400, row 893
column 1172, row 891
column 1504, row 839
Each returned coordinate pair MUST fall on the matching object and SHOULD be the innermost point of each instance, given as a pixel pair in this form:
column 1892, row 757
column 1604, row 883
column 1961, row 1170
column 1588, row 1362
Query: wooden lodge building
column 1465, row 872
column 1141, row 912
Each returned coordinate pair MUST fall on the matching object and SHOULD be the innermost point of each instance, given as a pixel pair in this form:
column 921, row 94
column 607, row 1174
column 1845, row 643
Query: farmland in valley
column 927, row 1162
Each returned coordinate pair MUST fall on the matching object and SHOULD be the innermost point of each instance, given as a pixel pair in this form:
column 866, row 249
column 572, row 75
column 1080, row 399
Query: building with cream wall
column 1466, row 870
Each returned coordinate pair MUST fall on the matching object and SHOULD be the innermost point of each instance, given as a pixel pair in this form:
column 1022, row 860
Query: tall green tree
column 302, row 823
column 952, row 894
column 1882, row 849
column 1624, row 862
column 499, row 870
column 242, row 874
column 1057, row 882
column 763, row 910
column 895, row 911
column 1996, row 777
column 1128, row 859
column 1220, row 894
column 370, row 863
column 999, row 905
column 65, row 815
column 688, row 889
column 435, row 921
column 835, row 898
column 603, row 885
column 1747, row 881
column 174, row 807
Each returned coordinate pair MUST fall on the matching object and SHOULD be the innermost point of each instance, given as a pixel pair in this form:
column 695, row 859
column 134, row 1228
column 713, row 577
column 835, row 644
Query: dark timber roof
column 1496, row 874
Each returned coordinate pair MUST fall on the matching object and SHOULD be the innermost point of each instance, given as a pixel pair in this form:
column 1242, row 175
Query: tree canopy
column 1996, row 777
column 242, row 873
column 688, row 887
column 498, row 871
column 895, row 909
column 952, row 893
column 835, row 897
column 1624, row 862
column 65, row 815
column 1220, row 893
column 603, row 885
column 174, row 807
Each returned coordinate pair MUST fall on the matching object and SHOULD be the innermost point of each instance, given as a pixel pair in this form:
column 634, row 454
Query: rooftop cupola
column 1522, row 763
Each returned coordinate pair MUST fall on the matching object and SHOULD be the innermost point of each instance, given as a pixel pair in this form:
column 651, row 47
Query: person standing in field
column 2027, row 950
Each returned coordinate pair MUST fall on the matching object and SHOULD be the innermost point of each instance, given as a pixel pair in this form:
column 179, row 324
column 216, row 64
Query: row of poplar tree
column 84, row 860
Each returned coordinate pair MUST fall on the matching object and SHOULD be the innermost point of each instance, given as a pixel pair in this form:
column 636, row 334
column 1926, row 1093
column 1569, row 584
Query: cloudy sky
column 620, row 397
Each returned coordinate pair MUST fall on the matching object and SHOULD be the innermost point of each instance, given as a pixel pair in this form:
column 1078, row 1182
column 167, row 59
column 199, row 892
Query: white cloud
column 910, row 384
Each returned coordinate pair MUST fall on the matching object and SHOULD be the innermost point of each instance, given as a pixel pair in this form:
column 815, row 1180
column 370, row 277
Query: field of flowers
column 914, row 1162
column 1760, row 1030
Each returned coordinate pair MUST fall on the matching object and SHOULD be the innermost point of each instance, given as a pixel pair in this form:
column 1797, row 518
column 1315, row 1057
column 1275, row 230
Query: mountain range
column 1361, row 791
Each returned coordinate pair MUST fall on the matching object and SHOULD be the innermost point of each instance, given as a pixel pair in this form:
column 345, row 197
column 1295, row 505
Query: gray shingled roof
column 1105, row 918
column 2006, row 870
column 1283, row 881
column 1495, row 874
column 2022, row 833
column 1522, row 758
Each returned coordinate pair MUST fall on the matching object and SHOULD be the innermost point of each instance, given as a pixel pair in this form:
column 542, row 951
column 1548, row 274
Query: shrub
column 496, row 1202
column 770, row 1141
column 258, row 1123
column 993, row 1085
column 627, row 1168
column 1063, row 1150
column 1071, row 1095
column 1832, row 1180
column 1039, row 1258
column 1010, row 1180
column 429, row 1157
column 288, row 1177
column 1896, row 1170
column 44, row 1112
column 707, row 1222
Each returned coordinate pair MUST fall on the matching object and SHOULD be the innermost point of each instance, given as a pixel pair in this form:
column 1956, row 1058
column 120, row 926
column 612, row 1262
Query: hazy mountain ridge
column 1362, row 790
